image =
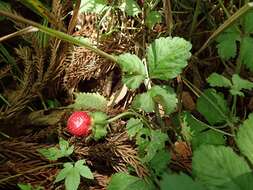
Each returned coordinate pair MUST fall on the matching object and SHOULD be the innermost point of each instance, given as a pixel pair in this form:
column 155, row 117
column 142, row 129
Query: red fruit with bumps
column 79, row 124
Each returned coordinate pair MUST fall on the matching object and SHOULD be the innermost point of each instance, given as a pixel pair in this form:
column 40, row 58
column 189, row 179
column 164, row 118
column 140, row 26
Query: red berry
column 79, row 124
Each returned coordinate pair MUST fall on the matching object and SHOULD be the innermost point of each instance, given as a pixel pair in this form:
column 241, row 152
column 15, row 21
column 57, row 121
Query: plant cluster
column 139, row 144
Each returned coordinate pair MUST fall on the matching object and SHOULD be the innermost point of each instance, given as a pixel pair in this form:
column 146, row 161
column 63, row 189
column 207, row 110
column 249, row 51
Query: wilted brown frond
column 116, row 153
column 5, row 71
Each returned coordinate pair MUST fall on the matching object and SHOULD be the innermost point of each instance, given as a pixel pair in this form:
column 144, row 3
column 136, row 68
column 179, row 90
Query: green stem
column 124, row 114
column 59, row 35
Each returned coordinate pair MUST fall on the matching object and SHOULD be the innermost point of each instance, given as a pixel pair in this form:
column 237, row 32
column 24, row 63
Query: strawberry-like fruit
column 79, row 124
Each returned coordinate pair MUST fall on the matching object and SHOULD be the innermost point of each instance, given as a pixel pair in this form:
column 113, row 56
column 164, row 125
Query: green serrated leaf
column 133, row 126
column 89, row 101
column 179, row 182
column 156, row 143
column 220, row 168
column 167, row 57
column 52, row 153
column 246, row 52
column 130, row 7
column 153, row 18
column 64, row 172
column 201, row 134
column 218, row 80
column 160, row 161
column 99, row 126
column 165, row 96
column 239, row 84
column 144, row 101
column 133, row 70
column 248, row 22
column 124, row 181
column 93, row 6
column 72, row 180
column 213, row 106
column 227, row 43
column 244, row 138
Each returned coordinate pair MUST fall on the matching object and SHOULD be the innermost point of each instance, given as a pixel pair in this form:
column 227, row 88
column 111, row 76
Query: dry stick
column 74, row 17
column 168, row 15
column 225, row 25
column 26, row 30
column 60, row 35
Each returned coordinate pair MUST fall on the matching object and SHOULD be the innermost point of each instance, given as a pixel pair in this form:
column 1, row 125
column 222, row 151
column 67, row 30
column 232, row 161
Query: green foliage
column 99, row 129
column 213, row 106
column 220, row 168
column 236, row 86
column 218, row 80
column 159, row 163
column 89, row 101
column 124, row 181
column 93, row 6
column 130, row 7
column 167, row 57
column 201, row 134
column 244, row 138
column 227, row 47
column 4, row 7
column 179, row 182
column 150, row 142
column 72, row 173
column 165, row 96
column 153, row 18
column 133, row 127
column 133, row 70
column 23, row 186
column 227, row 43
column 55, row 153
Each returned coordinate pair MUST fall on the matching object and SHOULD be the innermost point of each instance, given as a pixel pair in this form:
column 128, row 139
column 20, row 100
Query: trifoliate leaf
column 144, row 101
column 133, row 127
column 213, row 106
column 218, row 80
column 220, row 168
column 201, row 134
column 179, row 182
column 239, row 84
column 130, row 7
column 165, row 96
column 93, row 6
column 71, row 174
column 160, row 161
column 248, row 22
column 227, row 43
column 167, row 57
column 246, row 52
column 153, row 18
column 89, row 101
column 133, row 70
column 124, row 181
column 244, row 138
